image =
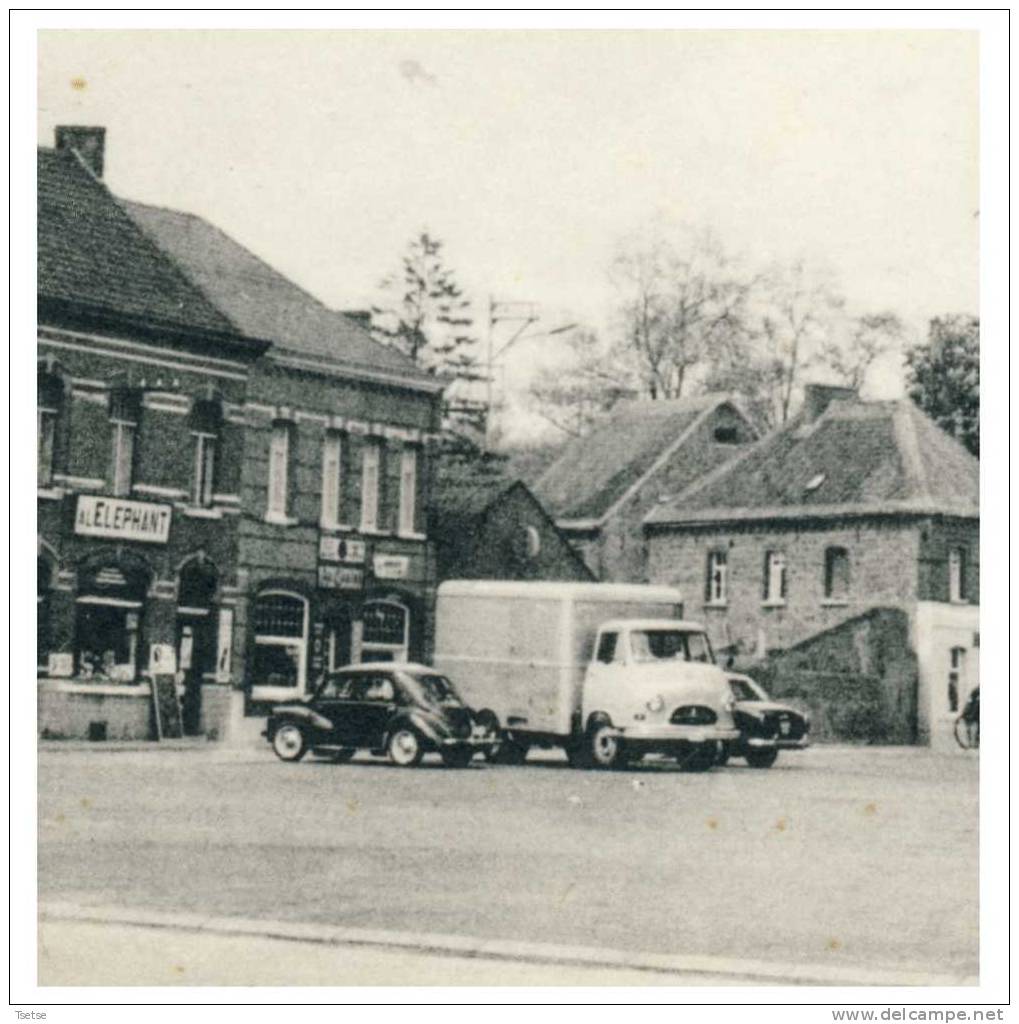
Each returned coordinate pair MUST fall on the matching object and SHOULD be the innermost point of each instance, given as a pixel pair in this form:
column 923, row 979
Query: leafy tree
column 943, row 377
column 427, row 317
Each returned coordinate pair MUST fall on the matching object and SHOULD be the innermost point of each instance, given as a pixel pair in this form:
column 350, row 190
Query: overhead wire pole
column 528, row 315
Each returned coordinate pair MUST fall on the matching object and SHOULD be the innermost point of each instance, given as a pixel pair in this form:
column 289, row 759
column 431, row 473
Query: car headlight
column 656, row 703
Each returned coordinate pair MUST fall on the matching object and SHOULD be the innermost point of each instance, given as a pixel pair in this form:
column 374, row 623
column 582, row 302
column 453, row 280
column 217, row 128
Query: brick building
column 602, row 485
column 141, row 392
column 497, row 529
column 333, row 556
column 853, row 506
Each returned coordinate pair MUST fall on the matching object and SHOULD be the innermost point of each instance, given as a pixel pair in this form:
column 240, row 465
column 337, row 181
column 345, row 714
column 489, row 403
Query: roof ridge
column 904, row 426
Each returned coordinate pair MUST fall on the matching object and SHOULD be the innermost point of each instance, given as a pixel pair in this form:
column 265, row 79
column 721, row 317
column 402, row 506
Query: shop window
column 44, row 579
column 717, row 577
column 956, row 572
column 408, row 488
column 371, row 458
column 332, row 479
column 836, row 573
column 279, row 470
column 956, row 677
column 108, row 623
column 281, row 641
column 774, row 578
column 385, row 635
column 125, row 408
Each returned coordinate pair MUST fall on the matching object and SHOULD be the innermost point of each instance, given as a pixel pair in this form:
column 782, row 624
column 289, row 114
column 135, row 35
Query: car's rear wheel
column 289, row 742
column 457, row 757
column 761, row 758
column 404, row 747
column 604, row 749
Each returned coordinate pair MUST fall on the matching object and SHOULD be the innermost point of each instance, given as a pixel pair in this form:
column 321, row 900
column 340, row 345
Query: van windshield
column 669, row 645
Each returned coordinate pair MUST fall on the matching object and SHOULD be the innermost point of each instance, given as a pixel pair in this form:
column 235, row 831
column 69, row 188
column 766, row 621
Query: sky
column 531, row 154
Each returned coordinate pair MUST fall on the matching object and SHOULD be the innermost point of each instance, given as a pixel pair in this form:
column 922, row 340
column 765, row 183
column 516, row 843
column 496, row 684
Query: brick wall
column 937, row 538
column 883, row 557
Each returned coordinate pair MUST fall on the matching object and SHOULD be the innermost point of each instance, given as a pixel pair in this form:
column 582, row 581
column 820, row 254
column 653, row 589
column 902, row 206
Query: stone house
column 602, row 485
column 854, row 506
column 497, row 529
column 142, row 385
column 333, row 552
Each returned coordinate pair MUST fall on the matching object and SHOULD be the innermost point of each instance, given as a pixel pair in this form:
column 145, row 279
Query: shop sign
column 339, row 549
column 391, row 567
column 61, row 665
column 121, row 519
column 162, row 660
column 340, row 577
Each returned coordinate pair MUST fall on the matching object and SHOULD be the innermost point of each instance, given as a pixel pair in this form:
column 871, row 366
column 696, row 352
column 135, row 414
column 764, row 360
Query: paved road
column 834, row 857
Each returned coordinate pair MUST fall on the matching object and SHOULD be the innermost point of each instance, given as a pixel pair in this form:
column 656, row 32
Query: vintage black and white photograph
column 508, row 511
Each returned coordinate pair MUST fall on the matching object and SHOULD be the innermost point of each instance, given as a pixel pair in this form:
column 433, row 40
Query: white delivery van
column 608, row 671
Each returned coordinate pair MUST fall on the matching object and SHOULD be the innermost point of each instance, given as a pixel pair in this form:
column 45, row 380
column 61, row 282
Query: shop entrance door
column 196, row 661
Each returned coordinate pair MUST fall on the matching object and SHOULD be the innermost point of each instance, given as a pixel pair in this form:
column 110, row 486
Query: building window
column 956, row 677
column 774, row 578
column 108, row 625
column 408, row 489
column 47, row 426
column 281, row 642
column 370, row 472
column 125, row 407
column 332, row 479
column 956, row 571
column 279, row 466
column 205, row 469
column 386, row 631
column 716, row 591
column 836, row 574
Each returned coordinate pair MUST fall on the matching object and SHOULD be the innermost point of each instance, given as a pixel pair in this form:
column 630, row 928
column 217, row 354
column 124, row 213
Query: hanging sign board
column 391, row 567
column 121, row 519
column 339, row 549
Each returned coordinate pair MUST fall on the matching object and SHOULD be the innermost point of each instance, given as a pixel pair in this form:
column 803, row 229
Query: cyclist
column 967, row 730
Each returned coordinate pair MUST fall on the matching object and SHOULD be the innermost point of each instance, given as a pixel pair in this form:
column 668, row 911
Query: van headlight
column 656, row 703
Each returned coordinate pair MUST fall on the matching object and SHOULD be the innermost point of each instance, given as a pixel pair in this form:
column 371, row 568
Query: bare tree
column 868, row 338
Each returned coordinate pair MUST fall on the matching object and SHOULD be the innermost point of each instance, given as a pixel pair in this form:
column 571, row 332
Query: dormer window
column 726, row 435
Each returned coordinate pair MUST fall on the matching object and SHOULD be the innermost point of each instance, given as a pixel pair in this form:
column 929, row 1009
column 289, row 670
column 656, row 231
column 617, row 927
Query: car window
column 742, row 690
column 337, row 688
column 669, row 645
column 375, row 688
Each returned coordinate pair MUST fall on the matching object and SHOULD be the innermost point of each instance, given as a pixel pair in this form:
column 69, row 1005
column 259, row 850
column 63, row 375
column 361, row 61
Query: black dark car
column 765, row 727
column 401, row 710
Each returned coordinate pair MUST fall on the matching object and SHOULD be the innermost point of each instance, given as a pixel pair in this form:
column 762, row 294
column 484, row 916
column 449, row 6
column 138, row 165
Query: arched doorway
column 279, row 662
column 196, row 637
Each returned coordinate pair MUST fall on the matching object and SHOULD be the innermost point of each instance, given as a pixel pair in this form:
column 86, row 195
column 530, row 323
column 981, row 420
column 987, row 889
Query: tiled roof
column 260, row 300
column 593, row 472
column 856, row 457
column 92, row 257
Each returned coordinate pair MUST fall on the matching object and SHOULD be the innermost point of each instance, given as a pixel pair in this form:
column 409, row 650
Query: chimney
column 817, row 398
column 88, row 142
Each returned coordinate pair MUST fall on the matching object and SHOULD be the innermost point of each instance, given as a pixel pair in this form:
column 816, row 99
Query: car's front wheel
column 288, row 742
column 761, row 758
column 404, row 747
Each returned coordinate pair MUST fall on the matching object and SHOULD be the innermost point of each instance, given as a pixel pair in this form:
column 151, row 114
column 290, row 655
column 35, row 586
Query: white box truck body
column 529, row 654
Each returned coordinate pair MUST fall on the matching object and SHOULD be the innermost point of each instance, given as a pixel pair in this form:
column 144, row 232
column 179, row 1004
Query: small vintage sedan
column 402, row 710
column 765, row 726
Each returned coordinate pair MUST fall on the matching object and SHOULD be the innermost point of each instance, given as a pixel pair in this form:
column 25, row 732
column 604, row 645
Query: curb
column 724, row 968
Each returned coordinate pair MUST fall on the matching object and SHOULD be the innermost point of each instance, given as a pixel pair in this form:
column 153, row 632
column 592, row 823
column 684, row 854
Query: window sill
column 375, row 533
column 81, row 686
column 277, row 520
column 196, row 512
column 412, row 536
column 773, row 604
column 336, row 527
column 49, row 493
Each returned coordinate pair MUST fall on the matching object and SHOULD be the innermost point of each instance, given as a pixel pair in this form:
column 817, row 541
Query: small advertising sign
column 340, row 577
column 61, row 665
column 340, row 549
column 121, row 519
column 391, row 567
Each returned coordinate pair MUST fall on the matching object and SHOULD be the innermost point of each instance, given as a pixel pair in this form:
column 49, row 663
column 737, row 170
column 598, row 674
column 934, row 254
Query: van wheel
column 457, row 757
column 722, row 757
column 604, row 749
column 510, row 751
column 761, row 758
